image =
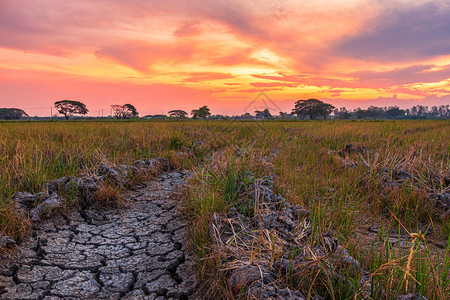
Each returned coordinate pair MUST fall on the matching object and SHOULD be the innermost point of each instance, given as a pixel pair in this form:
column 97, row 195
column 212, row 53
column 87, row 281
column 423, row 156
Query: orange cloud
column 207, row 76
column 213, row 51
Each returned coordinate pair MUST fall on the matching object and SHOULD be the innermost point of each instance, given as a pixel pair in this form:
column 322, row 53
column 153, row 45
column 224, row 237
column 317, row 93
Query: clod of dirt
column 24, row 200
column 61, row 184
column 45, row 208
column 417, row 296
column 112, row 172
column 442, row 200
column 6, row 241
column 273, row 292
column 350, row 149
column 246, row 275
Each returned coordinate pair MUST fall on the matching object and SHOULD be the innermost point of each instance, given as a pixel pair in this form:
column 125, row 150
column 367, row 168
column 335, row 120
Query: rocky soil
column 137, row 252
column 269, row 245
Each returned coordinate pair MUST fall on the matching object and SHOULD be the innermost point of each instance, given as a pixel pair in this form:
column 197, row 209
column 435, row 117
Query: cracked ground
column 137, row 252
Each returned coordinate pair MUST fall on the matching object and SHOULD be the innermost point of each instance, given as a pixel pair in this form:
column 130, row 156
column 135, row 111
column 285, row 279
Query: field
column 376, row 187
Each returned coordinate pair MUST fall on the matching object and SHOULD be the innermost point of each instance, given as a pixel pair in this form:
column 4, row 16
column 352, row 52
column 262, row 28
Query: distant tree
column 124, row 111
column 374, row 112
column 422, row 111
column 70, row 107
column 177, row 113
column 394, row 112
column 12, row 114
column 342, row 113
column 312, row 108
column 118, row 110
column 201, row 113
column 130, row 111
column 346, row 115
column 360, row 113
column 264, row 114
column 444, row 111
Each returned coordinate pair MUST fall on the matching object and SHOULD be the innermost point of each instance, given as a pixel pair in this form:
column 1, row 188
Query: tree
column 124, row 111
column 312, row 108
column 361, row 113
column 394, row 111
column 200, row 113
column 12, row 114
column 118, row 110
column 130, row 111
column 342, row 113
column 264, row 114
column 177, row 113
column 374, row 112
column 70, row 107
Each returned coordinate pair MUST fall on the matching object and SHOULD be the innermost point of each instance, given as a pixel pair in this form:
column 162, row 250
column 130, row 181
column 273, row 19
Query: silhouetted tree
column 374, row 112
column 394, row 112
column 360, row 113
column 124, row 111
column 342, row 113
column 264, row 114
column 312, row 108
column 201, row 113
column 177, row 113
column 71, row 107
column 118, row 110
column 12, row 114
column 130, row 111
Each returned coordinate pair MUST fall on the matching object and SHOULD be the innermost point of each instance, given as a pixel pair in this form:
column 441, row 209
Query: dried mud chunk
column 87, row 186
column 83, row 284
column 416, row 296
column 19, row 291
column 247, row 275
column 64, row 184
column 24, row 200
column 6, row 241
column 120, row 282
column 160, row 286
column 45, row 209
column 350, row 149
column 111, row 172
column 272, row 292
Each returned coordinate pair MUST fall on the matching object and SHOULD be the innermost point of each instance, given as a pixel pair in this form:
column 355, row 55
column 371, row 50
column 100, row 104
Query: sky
column 161, row 55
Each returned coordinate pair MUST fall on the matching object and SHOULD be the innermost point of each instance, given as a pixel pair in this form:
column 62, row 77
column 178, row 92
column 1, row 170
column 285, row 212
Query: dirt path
column 138, row 253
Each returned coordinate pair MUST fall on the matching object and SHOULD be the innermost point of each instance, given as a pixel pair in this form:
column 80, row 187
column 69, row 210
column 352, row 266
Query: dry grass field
column 380, row 189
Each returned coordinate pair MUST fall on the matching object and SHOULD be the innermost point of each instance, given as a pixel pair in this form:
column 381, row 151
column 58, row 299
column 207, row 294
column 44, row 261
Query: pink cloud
column 141, row 55
column 273, row 84
column 188, row 29
column 207, row 76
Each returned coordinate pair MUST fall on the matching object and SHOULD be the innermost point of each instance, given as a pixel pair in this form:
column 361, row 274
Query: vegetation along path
column 137, row 252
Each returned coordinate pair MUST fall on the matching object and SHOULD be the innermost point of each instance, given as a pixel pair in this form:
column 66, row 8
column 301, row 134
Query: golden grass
column 346, row 194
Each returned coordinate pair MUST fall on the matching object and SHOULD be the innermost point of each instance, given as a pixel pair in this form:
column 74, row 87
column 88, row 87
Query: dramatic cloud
column 224, row 51
column 201, row 77
column 400, row 76
column 403, row 33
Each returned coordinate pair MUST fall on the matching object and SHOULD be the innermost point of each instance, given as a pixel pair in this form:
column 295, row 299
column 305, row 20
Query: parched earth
column 138, row 252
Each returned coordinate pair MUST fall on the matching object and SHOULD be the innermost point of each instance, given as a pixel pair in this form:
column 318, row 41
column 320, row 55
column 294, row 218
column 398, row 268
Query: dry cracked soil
column 137, row 252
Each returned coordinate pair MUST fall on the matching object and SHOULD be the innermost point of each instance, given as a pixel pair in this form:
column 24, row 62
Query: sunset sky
column 164, row 54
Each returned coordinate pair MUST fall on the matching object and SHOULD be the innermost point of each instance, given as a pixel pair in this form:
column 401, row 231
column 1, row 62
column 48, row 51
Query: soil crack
column 100, row 253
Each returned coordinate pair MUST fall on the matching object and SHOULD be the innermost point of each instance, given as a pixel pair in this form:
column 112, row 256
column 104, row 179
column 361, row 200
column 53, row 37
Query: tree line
column 394, row 112
column 306, row 109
